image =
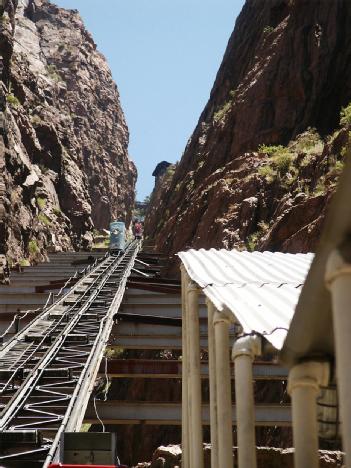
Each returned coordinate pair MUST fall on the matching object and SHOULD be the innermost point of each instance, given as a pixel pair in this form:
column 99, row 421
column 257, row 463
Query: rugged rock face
column 285, row 72
column 65, row 166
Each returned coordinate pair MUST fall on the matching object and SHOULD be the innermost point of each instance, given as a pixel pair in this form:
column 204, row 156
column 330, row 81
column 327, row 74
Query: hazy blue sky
column 164, row 56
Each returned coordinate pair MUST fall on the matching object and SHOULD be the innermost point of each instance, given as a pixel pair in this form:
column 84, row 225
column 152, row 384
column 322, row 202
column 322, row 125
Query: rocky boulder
column 170, row 457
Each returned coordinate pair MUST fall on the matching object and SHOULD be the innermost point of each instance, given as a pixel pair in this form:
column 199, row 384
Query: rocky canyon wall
column 263, row 161
column 64, row 139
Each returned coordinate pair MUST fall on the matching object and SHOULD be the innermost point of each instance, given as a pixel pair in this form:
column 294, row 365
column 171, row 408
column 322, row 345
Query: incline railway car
column 117, row 236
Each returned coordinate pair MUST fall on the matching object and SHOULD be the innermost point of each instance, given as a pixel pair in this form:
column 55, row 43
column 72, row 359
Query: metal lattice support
column 47, row 371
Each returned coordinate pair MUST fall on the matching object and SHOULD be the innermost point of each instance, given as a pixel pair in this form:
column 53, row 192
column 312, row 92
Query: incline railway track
column 47, row 370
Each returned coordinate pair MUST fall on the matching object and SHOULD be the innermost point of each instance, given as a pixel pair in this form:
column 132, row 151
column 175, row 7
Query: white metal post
column 304, row 384
column 193, row 328
column 338, row 277
column 190, row 396
column 244, row 351
column 185, row 384
column 223, row 384
column 213, row 386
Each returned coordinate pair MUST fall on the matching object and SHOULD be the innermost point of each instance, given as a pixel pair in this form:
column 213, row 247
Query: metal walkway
column 47, row 370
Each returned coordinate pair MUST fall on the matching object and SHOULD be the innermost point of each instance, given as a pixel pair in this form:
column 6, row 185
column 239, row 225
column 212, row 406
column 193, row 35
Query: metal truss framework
column 47, row 371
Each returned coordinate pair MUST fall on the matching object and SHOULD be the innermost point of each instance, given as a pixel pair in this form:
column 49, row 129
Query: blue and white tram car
column 117, row 236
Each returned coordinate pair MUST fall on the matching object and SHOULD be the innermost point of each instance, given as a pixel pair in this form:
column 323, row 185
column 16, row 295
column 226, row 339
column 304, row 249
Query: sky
column 164, row 56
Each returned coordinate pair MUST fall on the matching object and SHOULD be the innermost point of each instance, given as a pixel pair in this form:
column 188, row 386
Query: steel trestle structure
column 48, row 370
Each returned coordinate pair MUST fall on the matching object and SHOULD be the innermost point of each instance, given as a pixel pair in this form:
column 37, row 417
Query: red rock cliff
column 64, row 156
column 262, row 162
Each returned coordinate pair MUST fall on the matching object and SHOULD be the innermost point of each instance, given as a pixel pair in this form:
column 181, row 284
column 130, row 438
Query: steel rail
column 53, row 404
column 74, row 415
column 95, row 294
column 37, row 372
column 18, row 336
column 50, row 330
column 13, row 406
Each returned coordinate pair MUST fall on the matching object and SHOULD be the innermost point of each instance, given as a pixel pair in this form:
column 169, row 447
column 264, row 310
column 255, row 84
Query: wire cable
column 97, row 415
column 107, row 380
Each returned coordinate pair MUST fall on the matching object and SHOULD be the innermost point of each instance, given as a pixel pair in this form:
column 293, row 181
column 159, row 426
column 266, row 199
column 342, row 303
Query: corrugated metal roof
column 260, row 288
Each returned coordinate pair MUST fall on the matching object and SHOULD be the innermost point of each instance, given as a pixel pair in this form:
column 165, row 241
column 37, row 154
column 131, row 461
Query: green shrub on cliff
column 346, row 150
column 5, row 20
column 270, row 149
column 222, row 111
column 44, row 219
column 309, row 142
column 268, row 29
column 339, row 166
column 279, row 163
column 104, row 244
column 33, row 247
column 41, row 202
column 253, row 239
column 282, row 161
column 13, row 100
column 345, row 115
column 170, row 170
column 233, row 93
column 53, row 72
column 114, row 352
column 320, row 187
column 268, row 173
column 36, row 119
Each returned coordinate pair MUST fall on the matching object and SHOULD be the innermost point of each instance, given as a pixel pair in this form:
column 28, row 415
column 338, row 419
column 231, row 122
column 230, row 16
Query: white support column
column 213, row 386
column 185, row 383
column 338, row 278
column 304, row 384
column 244, row 351
column 193, row 332
column 223, row 384
column 190, row 396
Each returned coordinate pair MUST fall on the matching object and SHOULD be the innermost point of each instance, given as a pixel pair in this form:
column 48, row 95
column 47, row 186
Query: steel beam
column 146, row 412
column 23, row 299
column 165, row 310
column 150, row 342
column 168, row 299
column 172, row 369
